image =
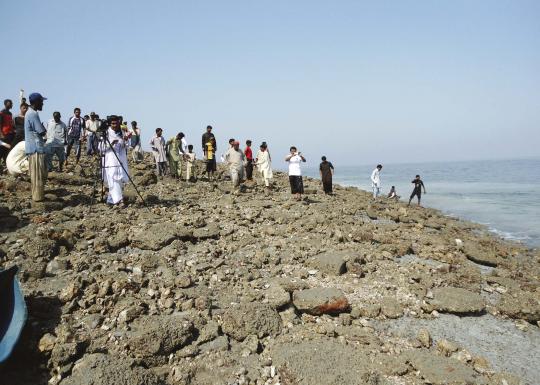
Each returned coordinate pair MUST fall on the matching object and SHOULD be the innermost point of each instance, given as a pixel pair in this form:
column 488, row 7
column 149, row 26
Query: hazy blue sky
column 360, row 82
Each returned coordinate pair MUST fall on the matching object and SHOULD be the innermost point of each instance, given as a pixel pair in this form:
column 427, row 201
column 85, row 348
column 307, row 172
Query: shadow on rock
column 28, row 364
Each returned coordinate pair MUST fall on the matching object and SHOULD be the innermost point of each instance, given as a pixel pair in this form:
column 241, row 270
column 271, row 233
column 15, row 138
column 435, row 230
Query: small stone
column 424, row 337
column 277, row 296
column 201, row 303
column 219, row 344
column 391, row 308
column 46, row 343
column 183, row 281
column 463, row 356
column 446, row 347
column 71, row 291
column 481, row 365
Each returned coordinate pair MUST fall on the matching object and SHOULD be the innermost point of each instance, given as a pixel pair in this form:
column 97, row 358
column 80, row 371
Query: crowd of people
column 29, row 146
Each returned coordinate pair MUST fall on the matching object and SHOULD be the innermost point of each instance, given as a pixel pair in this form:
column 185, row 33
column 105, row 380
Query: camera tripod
column 100, row 168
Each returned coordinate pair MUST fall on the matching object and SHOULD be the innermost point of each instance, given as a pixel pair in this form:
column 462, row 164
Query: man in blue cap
column 35, row 146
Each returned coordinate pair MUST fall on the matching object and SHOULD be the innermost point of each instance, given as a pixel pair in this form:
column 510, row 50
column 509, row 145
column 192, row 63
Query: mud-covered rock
column 160, row 335
column 439, row 370
column 277, row 296
column 322, row 361
column 391, row 308
column 251, row 318
column 157, row 236
column 522, row 305
column 105, row 369
column 39, row 247
column 457, row 300
column 481, row 256
column 331, row 263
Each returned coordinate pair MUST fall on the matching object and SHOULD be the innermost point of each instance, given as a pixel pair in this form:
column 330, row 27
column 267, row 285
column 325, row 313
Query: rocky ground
column 206, row 285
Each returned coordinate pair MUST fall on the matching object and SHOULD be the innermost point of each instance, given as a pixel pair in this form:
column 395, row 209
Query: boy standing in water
column 418, row 185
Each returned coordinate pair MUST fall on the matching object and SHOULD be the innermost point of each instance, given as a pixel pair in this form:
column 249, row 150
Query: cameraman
column 115, row 163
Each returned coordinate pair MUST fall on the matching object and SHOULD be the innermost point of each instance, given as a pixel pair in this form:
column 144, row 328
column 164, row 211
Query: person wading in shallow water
column 294, row 159
column 418, row 186
column 326, row 169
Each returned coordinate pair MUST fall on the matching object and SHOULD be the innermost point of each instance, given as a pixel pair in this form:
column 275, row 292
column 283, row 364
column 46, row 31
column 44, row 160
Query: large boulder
column 251, row 318
column 321, row 300
column 457, row 300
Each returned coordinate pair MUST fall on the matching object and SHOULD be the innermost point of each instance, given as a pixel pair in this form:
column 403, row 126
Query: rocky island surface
column 206, row 285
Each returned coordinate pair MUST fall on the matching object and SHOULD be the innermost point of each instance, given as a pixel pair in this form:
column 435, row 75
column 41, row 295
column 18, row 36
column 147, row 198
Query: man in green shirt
column 173, row 153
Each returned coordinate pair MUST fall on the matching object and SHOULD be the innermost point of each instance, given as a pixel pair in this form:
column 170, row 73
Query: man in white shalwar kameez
column 264, row 164
column 114, row 173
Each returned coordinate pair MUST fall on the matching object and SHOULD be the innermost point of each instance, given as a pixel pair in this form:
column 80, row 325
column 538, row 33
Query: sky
column 360, row 82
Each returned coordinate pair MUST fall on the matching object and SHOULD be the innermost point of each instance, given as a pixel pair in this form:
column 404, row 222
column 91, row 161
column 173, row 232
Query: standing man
column 173, row 154
column 294, row 159
column 206, row 139
column 326, row 169
column 76, row 126
column 376, row 181
column 116, row 166
column 418, row 186
column 56, row 140
column 92, row 126
column 158, row 145
column 234, row 157
column 136, row 152
column 264, row 164
column 19, row 125
column 34, row 134
column 7, row 128
column 249, row 160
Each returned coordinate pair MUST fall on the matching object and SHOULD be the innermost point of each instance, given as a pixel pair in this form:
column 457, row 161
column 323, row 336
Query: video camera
column 106, row 123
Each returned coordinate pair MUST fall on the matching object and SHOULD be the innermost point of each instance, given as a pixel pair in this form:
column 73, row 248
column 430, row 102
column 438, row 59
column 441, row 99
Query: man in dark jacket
column 206, row 138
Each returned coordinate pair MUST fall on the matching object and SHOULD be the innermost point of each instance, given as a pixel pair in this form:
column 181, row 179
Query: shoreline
column 208, row 286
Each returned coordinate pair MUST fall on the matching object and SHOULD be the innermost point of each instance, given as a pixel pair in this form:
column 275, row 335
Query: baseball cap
column 34, row 97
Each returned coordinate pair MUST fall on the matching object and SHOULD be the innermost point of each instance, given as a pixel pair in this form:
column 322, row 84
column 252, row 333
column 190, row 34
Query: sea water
column 504, row 195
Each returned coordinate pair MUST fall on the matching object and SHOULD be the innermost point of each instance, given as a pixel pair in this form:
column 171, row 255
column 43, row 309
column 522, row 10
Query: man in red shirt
column 7, row 128
column 249, row 159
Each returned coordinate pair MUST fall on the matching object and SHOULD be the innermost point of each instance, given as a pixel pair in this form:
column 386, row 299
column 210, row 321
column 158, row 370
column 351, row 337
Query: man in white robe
column 114, row 174
column 264, row 164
